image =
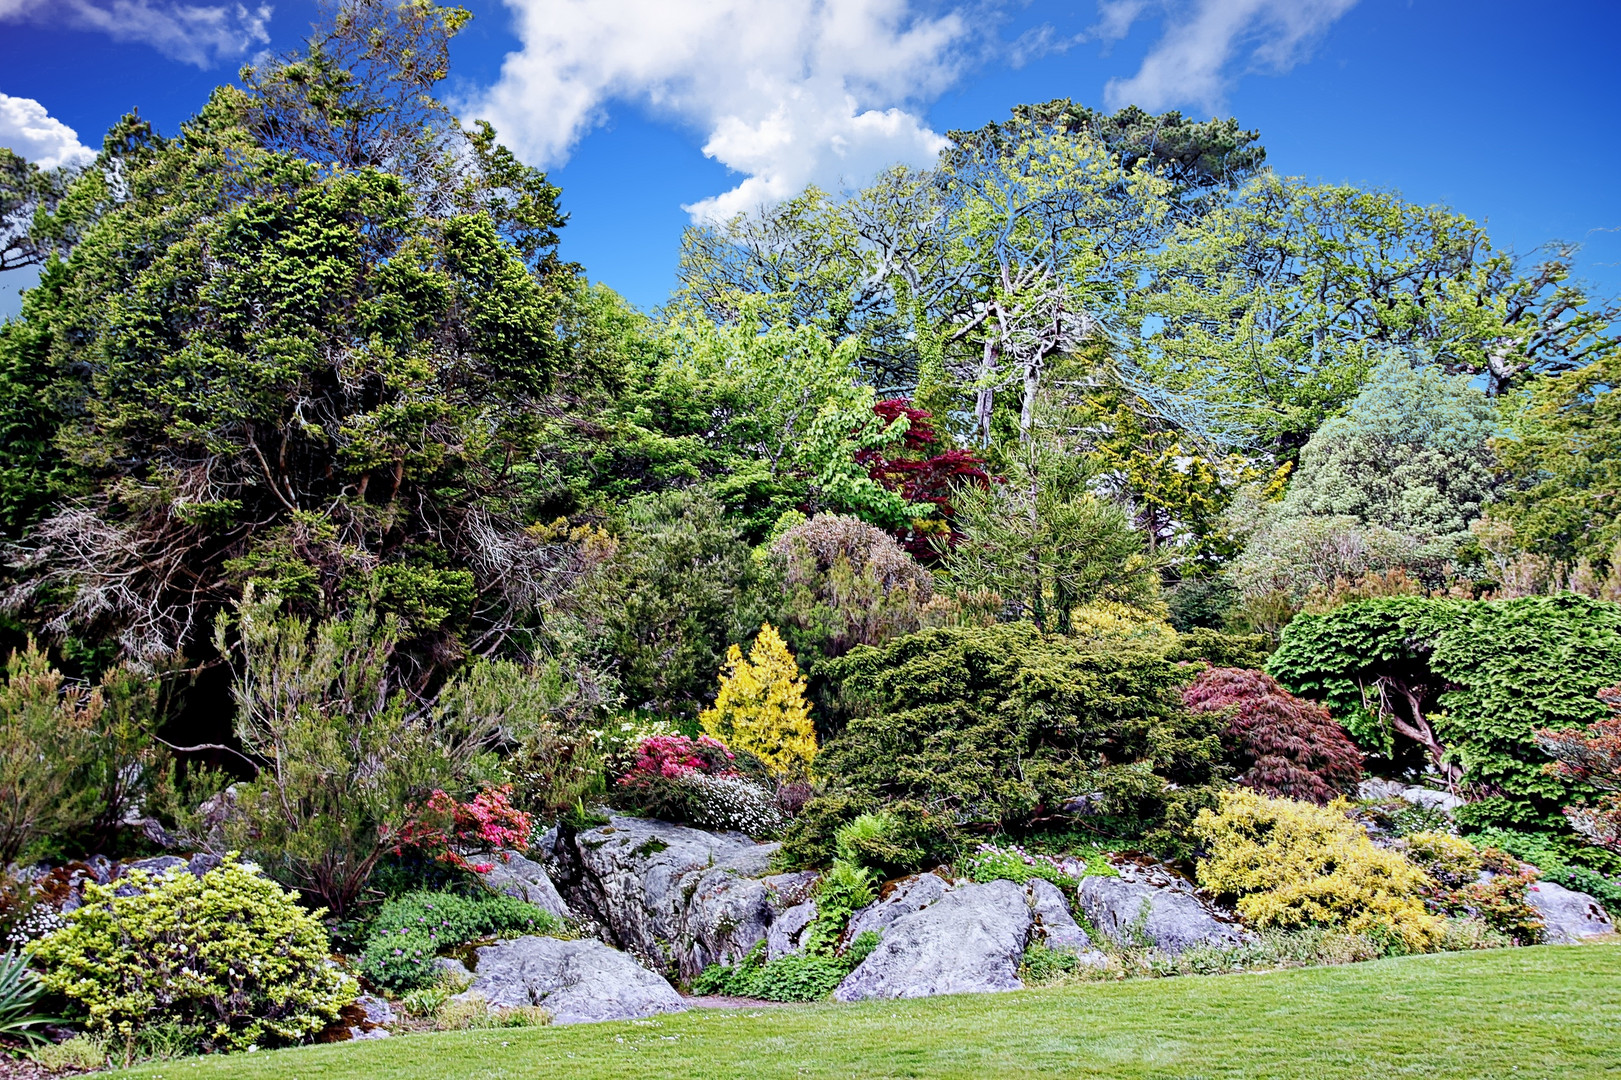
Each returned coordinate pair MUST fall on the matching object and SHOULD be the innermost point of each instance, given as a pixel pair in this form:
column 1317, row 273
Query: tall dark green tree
column 307, row 341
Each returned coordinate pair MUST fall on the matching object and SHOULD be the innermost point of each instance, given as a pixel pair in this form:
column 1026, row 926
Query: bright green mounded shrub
column 1474, row 680
column 1002, row 724
column 230, row 958
column 804, row 976
column 411, row 930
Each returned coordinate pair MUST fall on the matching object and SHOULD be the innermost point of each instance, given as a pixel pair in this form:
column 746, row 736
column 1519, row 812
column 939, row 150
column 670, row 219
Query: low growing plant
column 1290, row 864
column 803, row 976
column 409, row 931
column 845, row 889
column 82, row 1053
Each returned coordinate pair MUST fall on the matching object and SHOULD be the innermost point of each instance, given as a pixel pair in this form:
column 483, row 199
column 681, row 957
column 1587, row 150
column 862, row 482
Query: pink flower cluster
column 444, row 828
column 670, row 757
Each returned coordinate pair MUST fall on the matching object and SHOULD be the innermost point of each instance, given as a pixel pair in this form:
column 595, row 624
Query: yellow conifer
column 761, row 707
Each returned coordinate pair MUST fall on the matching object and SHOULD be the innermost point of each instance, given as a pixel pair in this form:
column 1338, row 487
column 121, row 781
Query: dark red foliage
column 1284, row 746
column 918, row 475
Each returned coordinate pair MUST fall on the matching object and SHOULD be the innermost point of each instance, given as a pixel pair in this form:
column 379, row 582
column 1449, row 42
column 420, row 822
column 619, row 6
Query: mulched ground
column 13, row 1068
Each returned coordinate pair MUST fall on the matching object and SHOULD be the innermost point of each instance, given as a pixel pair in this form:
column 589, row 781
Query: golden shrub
column 1293, row 864
column 761, row 707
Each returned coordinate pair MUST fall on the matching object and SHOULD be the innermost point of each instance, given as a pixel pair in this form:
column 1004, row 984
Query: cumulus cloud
column 1206, row 40
column 202, row 35
column 787, row 92
column 27, row 129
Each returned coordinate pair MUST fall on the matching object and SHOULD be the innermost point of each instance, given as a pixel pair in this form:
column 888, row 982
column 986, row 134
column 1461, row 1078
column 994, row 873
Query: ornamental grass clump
column 1291, row 864
column 230, row 959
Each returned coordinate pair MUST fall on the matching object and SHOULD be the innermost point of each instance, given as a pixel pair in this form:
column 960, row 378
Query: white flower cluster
column 731, row 802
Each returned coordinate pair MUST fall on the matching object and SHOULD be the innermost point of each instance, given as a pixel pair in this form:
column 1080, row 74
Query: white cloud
column 1193, row 61
column 202, row 35
column 788, row 92
column 27, row 129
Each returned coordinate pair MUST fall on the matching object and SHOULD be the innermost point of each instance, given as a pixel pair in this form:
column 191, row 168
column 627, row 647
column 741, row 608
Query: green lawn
column 1531, row 1014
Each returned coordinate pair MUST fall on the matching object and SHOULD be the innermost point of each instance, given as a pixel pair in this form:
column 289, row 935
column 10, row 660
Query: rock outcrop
column 1567, row 915
column 1149, row 905
column 968, row 941
column 577, row 982
column 903, row 898
column 679, row 898
column 514, row 875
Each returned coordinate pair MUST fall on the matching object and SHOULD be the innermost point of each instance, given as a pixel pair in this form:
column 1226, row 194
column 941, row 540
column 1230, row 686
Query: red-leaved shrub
column 1592, row 755
column 1284, row 746
column 447, row 830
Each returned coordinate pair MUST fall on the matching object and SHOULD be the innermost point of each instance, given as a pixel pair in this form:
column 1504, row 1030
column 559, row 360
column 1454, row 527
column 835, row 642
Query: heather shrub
column 847, row 583
column 1292, row 864
column 696, row 781
column 1454, row 866
column 1281, row 745
column 409, row 931
column 230, row 957
column 761, row 708
column 999, row 725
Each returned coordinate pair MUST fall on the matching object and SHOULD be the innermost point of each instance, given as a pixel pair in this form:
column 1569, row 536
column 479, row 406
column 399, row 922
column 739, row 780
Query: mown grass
column 1532, row 1014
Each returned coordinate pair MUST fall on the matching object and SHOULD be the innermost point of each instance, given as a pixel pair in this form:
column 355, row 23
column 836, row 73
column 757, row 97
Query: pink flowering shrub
column 695, row 781
column 670, row 757
column 447, row 830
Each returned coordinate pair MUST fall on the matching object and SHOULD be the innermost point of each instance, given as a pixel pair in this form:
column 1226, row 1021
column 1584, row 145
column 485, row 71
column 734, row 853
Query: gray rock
column 157, row 867
column 969, row 941
column 453, row 967
column 1567, row 916
column 1056, row 925
column 906, row 896
column 1162, row 908
column 512, row 874
column 1387, row 790
column 578, row 982
column 674, row 896
column 201, row 863
column 786, row 933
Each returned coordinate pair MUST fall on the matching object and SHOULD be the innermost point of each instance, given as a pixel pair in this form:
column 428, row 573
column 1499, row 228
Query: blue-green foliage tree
column 1394, row 482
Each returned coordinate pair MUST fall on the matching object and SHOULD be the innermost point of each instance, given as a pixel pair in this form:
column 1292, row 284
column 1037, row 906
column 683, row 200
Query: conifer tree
column 761, row 707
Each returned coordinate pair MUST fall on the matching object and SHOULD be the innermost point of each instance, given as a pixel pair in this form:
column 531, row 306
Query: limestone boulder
column 577, row 982
column 678, row 898
column 1153, row 906
column 513, row 874
column 905, row 897
column 970, row 940
column 1567, row 916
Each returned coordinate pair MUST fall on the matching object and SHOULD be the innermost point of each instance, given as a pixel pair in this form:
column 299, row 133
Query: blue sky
column 1506, row 111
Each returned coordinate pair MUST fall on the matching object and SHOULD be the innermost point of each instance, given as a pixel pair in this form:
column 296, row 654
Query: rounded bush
column 230, row 956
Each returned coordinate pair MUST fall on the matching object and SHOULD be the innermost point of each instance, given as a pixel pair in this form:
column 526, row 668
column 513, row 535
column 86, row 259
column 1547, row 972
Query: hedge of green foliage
column 230, row 959
column 411, row 930
column 997, row 726
column 1487, row 675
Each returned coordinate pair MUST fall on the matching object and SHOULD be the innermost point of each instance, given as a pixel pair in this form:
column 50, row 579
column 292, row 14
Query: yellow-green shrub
column 761, row 707
column 1292, row 864
column 229, row 957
